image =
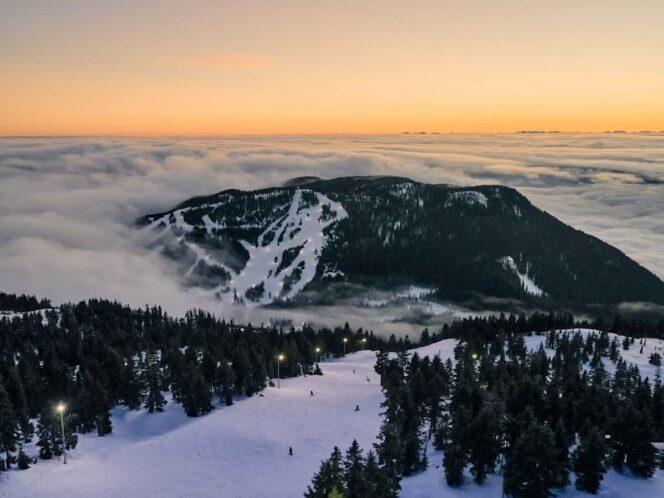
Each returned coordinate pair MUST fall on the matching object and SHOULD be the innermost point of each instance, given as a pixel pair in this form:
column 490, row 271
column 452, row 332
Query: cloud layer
column 67, row 205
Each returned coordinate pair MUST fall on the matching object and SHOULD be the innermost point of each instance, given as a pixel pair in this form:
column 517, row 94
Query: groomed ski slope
column 242, row 450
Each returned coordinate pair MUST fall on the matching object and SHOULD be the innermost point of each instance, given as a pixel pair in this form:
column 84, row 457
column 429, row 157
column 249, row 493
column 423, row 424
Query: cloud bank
column 67, row 205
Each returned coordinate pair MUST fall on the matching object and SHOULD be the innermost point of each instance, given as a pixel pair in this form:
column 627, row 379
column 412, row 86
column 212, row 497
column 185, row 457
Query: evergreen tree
column 389, row 454
column 562, row 455
column 225, row 383
column 531, row 468
column 154, row 399
column 197, row 398
column 589, row 462
column 130, row 386
column 23, row 460
column 378, row 483
column 329, row 478
column 454, row 462
column 45, row 439
column 9, row 430
column 485, row 439
column 354, row 472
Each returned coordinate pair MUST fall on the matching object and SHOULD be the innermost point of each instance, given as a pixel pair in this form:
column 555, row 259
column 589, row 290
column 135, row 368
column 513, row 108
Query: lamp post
column 280, row 358
column 61, row 410
column 345, row 341
column 363, row 341
column 317, row 355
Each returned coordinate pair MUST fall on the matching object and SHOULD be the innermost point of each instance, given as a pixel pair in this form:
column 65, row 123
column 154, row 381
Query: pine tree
column 589, row 462
column 45, row 438
column 130, row 387
column 389, row 453
column 454, row 462
column 154, row 399
column 378, row 483
column 531, row 468
column 354, row 472
column 197, row 397
column 23, row 460
column 8, row 427
column 19, row 402
column 329, row 478
column 562, row 455
column 484, row 439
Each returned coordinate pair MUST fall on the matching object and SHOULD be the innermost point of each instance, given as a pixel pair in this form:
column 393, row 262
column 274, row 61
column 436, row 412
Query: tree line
column 22, row 303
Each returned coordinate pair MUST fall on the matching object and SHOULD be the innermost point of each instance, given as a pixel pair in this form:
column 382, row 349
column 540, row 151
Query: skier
column 311, row 393
column 290, row 450
column 357, row 408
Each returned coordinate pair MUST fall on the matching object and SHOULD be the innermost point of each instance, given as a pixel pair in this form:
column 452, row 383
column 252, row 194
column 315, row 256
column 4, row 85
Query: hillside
column 314, row 239
column 242, row 450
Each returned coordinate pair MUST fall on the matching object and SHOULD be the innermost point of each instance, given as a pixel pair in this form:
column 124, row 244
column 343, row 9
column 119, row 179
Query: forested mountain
column 464, row 243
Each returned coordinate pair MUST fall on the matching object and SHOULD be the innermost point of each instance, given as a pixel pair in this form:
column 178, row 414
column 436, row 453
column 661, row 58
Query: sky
column 211, row 67
column 68, row 205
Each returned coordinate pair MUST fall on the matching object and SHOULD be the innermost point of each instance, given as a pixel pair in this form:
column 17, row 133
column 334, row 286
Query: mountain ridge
column 476, row 242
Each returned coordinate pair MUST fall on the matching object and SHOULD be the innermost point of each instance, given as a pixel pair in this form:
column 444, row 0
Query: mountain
column 313, row 237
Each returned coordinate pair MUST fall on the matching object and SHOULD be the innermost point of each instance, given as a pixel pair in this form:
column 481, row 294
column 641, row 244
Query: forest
column 487, row 409
column 532, row 417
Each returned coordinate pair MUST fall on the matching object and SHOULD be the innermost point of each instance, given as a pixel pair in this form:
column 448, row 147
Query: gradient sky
column 133, row 67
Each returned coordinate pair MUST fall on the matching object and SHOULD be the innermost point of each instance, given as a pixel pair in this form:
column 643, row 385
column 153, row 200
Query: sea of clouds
column 68, row 205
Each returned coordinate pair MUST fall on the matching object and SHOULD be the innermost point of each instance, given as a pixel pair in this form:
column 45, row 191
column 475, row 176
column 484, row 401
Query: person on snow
column 290, row 451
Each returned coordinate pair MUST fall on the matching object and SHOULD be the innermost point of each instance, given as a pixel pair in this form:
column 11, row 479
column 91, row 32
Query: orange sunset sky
column 204, row 67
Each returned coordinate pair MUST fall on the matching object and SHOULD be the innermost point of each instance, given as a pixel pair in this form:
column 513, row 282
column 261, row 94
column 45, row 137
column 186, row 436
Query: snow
column 241, row 451
column 415, row 292
column 237, row 451
column 301, row 227
column 632, row 356
column 414, row 298
column 431, row 482
column 527, row 283
column 10, row 315
column 470, row 197
column 402, row 189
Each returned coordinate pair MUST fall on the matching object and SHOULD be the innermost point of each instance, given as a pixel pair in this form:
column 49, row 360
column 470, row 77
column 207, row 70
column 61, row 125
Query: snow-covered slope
column 237, row 451
column 284, row 257
column 241, row 451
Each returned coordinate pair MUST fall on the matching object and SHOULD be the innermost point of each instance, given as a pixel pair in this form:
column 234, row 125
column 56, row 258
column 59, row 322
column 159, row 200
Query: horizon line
column 333, row 134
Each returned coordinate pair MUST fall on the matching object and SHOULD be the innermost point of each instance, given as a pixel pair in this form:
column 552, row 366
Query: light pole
column 61, row 410
column 363, row 341
column 345, row 341
column 279, row 360
column 317, row 355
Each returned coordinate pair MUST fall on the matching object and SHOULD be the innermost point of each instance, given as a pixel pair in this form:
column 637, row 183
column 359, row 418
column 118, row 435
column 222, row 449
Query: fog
column 68, row 205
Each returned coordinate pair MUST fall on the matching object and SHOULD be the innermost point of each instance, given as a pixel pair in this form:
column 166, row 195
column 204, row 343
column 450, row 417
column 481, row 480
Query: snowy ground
column 237, row 451
column 242, row 450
